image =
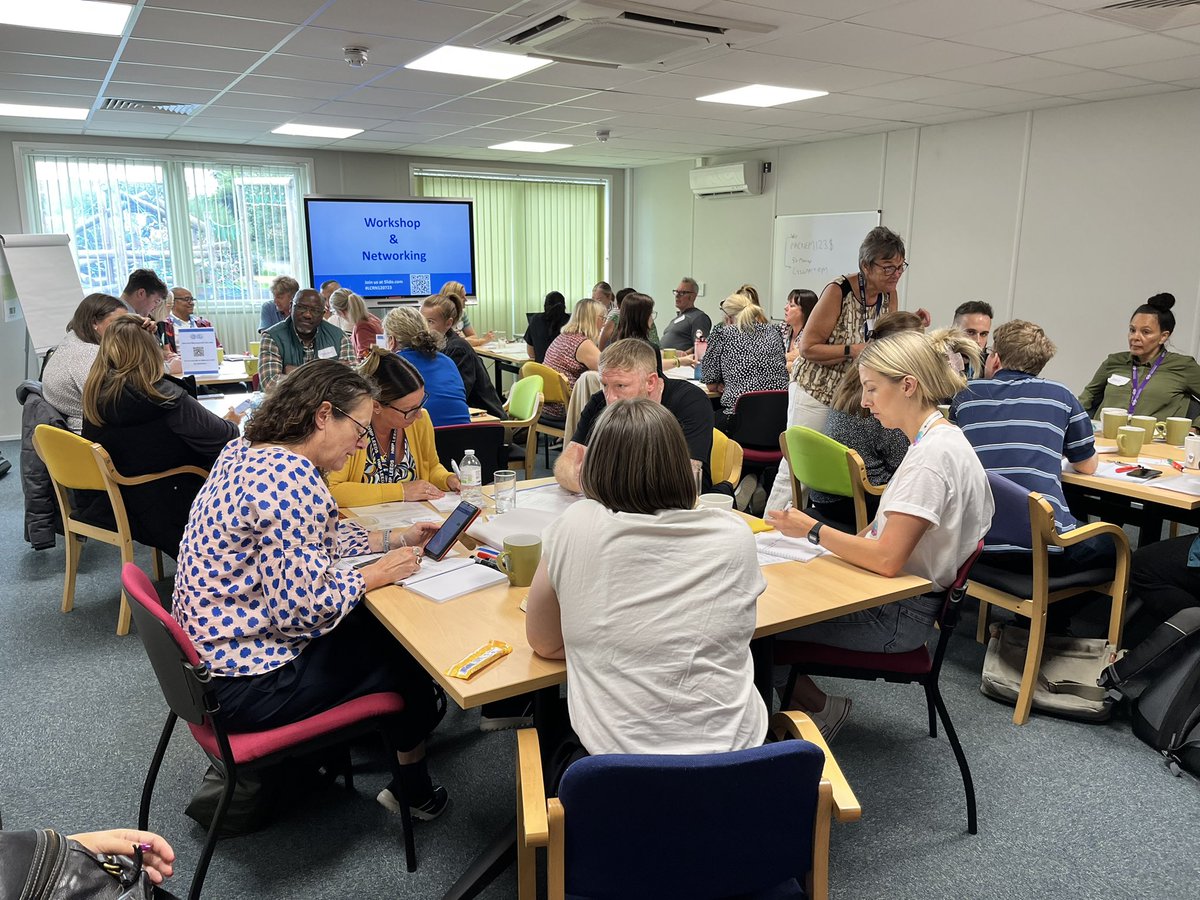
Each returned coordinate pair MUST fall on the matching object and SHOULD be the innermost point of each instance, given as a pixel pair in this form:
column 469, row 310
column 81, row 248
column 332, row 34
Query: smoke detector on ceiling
column 614, row 33
column 356, row 57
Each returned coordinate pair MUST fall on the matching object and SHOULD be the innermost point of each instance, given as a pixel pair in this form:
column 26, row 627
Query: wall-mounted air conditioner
column 738, row 179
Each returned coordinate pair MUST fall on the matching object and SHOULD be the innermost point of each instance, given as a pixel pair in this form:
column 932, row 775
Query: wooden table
column 1112, row 500
column 505, row 357
column 232, row 372
column 683, row 375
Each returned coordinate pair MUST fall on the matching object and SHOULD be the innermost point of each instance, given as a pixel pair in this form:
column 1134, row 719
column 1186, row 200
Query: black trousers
column 1161, row 578
column 356, row 658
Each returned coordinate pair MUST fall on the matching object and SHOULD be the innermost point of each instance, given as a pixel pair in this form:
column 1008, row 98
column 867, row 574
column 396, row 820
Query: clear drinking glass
column 698, row 474
column 504, row 490
column 500, row 337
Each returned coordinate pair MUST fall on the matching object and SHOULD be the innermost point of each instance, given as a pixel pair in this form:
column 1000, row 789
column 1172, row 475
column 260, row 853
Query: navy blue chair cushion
column 1010, row 529
column 712, row 826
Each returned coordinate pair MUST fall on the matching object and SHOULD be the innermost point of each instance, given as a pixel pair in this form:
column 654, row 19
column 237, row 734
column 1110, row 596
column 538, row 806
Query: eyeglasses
column 682, row 293
column 309, row 308
column 889, row 271
column 409, row 413
column 362, row 429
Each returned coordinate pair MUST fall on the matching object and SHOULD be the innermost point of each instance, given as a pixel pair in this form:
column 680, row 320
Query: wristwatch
column 846, row 351
column 814, row 534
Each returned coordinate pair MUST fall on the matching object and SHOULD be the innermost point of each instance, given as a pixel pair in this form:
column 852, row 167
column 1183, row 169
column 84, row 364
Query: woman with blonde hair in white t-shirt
column 931, row 516
column 650, row 601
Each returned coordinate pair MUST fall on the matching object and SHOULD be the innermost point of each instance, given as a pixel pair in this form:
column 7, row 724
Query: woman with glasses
column 412, row 340
column 837, row 331
column 260, row 592
column 744, row 354
column 398, row 460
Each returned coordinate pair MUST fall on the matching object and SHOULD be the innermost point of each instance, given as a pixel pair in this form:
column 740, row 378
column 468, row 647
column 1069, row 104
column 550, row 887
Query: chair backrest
column 817, row 461
column 725, row 464
column 1010, row 529
column 485, row 438
column 522, row 397
column 181, row 675
column 680, row 843
column 68, row 458
column 555, row 387
column 759, row 417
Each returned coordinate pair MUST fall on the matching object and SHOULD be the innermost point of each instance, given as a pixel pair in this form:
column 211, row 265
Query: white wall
column 1069, row 217
column 334, row 172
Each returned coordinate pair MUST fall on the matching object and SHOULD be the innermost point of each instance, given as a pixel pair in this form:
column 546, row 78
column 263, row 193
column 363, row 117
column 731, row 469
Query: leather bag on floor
column 45, row 865
column 1067, row 683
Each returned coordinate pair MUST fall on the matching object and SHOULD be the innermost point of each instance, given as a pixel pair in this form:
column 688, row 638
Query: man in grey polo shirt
column 680, row 333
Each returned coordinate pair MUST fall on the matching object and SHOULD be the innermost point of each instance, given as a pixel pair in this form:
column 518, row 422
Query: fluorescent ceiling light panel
column 87, row 16
column 529, row 146
column 761, row 95
column 321, row 131
column 477, row 63
column 43, row 112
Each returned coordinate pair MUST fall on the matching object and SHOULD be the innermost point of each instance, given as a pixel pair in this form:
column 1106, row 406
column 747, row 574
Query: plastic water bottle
column 470, row 476
column 698, row 351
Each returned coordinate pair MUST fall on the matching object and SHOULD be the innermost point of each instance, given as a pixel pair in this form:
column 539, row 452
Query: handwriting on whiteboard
column 798, row 252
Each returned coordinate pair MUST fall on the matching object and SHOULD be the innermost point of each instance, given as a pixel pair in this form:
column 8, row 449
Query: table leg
column 501, row 851
column 498, row 371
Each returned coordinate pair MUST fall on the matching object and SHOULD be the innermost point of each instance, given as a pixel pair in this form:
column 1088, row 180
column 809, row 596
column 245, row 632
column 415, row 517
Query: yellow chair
column 541, row 821
column 80, row 465
column 726, row 460
column 819, row 462
column 1030, row 592
column 525, row 401
column 555, row 389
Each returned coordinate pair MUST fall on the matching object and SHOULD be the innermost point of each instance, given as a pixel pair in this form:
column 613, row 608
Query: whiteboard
column 812, row 250
column 46, row 282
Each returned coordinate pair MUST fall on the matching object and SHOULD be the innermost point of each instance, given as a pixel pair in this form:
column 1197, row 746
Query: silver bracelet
column 387, row 540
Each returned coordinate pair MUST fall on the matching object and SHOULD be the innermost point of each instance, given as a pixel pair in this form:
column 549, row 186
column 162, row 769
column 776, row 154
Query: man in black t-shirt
column 629, row 369
column 680, row 332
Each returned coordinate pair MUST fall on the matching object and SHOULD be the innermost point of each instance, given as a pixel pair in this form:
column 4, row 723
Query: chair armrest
column 845, row 805
column 531, row 789
column 155, row 476
column 1091, row 530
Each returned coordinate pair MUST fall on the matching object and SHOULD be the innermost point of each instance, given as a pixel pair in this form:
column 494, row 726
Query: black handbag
column 46, row 865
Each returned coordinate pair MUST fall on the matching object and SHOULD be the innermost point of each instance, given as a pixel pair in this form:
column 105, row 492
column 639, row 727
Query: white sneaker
column 831, row 719
column 745, row 491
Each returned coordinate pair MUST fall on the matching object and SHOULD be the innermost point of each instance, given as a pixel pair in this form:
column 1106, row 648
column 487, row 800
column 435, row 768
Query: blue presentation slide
column 390, row 248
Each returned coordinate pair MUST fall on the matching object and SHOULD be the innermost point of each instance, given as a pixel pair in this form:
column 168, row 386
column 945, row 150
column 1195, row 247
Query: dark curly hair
column 288, row 414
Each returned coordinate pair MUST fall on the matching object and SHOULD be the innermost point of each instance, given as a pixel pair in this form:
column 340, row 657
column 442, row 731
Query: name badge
column 1118, row 380
column 327, row 353
column 677, row 320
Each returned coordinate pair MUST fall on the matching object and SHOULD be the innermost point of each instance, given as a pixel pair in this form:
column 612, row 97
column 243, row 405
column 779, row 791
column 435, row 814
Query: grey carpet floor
column 1065, row 809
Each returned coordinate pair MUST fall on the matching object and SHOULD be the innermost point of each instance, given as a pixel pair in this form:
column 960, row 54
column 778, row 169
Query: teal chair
column 820, row 463
column 524, row 407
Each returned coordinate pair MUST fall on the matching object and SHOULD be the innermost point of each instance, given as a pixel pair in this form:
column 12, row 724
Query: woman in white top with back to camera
column 931, row 516
column 651, row 602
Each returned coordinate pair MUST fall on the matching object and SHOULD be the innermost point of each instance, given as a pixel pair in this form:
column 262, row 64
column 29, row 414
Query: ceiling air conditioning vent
column 740, row 179
column 1151, row 15
column 613, row 33
column 155, row 106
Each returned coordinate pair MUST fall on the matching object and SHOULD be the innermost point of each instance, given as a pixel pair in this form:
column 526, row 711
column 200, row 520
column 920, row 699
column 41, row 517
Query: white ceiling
column 887, row 64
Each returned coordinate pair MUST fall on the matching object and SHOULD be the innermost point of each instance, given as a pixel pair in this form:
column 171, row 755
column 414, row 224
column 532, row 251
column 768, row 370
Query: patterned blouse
column 821, row 381
column 384, row 468
column 255, row 581
column 744, row 361
column 560, row 356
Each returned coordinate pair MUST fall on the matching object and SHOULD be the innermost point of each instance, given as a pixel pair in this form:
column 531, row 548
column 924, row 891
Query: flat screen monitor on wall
column 390, row 248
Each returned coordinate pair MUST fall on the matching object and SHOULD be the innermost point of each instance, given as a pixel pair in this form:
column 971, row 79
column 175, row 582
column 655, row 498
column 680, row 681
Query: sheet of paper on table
column 346, row 563
column 549, row 497
column 448, row 503
column 1183, row 484
column 493, row 530
column 457, row 581
column 397, row 514
column 774, row 547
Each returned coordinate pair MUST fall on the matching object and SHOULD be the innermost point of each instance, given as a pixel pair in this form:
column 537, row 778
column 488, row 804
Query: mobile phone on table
column 242, row 407
column 456, row 523
column 1143, row 473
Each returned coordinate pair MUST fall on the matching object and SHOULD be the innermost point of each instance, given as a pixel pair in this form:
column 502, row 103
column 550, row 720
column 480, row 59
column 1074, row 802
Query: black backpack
column 1161, row 676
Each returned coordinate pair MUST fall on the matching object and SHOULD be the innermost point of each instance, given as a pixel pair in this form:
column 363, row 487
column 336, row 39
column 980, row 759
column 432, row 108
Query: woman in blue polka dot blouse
column 259, row 591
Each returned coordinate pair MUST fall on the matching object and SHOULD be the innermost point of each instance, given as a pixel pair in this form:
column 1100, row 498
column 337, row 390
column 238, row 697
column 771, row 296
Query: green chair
column 820, row 463
column 525, row 400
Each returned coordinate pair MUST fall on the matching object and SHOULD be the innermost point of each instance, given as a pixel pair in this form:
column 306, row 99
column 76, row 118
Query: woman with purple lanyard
column 931, row 516
column 1149, row 380
column 836, row 332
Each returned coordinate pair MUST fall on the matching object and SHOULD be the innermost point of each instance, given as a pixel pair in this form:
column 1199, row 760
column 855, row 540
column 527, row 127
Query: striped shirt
column 1022, row 427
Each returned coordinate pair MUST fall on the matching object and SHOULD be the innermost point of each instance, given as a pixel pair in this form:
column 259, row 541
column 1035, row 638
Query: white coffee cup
column 716, row 501
column 1191, row 449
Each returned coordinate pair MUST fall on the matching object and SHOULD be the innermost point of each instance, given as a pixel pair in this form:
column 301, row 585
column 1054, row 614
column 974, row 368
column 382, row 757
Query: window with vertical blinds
column 532, row 236
column 223, row 229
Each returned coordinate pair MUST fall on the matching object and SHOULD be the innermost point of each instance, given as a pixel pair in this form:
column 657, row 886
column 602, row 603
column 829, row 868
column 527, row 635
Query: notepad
column 548, row 497
column 397, row 514
column 456, row 582
column 517, row 521
column 779, row 547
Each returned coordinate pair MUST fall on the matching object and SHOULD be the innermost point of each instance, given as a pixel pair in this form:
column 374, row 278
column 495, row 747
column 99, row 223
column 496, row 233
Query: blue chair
column 747, row 824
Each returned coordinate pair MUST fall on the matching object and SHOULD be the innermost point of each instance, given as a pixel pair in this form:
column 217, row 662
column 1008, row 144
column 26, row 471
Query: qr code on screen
column 419, row 284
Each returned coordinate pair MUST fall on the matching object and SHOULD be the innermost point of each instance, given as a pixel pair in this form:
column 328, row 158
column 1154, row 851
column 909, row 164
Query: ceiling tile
column 834, row 43
column 944, row 18
column 214, row 31
column 568, row 113
column 937, row 57
column 290, row 87
column 161, row 53
column 1052, row 32
column 434, row 82
column 138, row 73
column 360, row 110
column 400, row 99
column 241, row 100
column 919, row 88
column 157, row 92
column 1142, row 48
column 1190, row 33
column 443, row 117
column 267, row 118
column 596, row 78
column 987, row 97
column 1028, row 105
column 33, row 64
column 58, row 43
column 1011, row 71
column 1165, row 70
column 291, row 11
column 750, row 66
column 283, row 65
column 1140, row 90
column 540, row 94
column 44, row 84
column 401, row 18
column 328, row 44
column 496, row 109
column 1083, row 82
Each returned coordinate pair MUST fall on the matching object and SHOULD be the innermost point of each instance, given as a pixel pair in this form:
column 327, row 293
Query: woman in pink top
column 576, row 349
column 365, row 325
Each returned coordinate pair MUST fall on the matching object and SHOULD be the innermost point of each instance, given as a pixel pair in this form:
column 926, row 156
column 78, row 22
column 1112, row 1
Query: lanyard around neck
column 879, row 300
column 1138, row 387
column 926, row 425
